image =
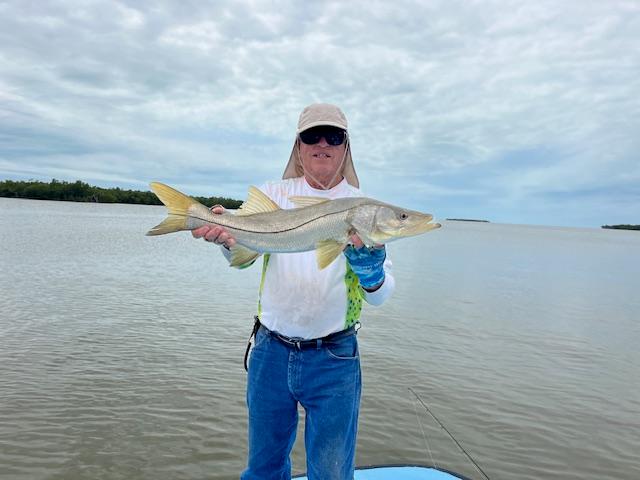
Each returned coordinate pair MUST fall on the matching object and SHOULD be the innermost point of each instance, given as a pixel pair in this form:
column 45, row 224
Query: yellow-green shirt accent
column 354, row 297
column 265, row 262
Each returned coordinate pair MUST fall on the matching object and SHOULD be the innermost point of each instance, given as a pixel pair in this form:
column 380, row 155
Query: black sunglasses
column 333, row 135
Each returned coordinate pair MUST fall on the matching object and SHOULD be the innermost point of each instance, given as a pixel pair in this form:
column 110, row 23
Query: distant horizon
column 439, row 219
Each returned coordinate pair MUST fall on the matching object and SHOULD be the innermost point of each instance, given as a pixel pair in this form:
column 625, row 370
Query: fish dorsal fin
column 327, row 251
column 257, row 202
column 299, row 201
column 241, row 256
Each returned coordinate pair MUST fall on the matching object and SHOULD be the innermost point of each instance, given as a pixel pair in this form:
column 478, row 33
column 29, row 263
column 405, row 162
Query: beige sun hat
column 313, row 116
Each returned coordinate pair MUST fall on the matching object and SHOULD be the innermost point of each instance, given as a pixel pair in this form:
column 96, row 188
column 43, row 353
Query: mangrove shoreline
column 79, row 191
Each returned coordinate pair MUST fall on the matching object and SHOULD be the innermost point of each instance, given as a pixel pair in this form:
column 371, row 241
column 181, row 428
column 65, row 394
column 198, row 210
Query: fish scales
column 280, row 231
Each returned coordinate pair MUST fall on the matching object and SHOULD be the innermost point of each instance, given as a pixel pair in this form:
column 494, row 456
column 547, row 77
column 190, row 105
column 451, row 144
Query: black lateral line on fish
column 265, row 233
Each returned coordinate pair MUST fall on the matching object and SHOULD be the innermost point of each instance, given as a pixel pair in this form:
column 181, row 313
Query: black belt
column 298, row 343
column 302, row 344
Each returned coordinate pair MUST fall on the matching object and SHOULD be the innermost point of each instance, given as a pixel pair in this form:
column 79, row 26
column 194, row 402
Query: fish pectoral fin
column 257, row 202
column 241, row 256
column 300, row 201
column 327, row 251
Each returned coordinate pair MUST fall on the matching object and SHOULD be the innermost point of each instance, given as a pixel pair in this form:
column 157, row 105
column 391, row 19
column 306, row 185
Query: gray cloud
column 443, row 97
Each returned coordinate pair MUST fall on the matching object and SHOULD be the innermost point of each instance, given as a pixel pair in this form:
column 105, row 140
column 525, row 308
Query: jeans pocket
column 345, row 349
column 261, row 337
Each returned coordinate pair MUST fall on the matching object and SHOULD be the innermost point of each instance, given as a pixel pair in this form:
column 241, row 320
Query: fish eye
column 403, row 216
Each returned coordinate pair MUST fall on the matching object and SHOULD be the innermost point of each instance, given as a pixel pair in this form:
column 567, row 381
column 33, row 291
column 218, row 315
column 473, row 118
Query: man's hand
column 215, row 234
column 366, row 263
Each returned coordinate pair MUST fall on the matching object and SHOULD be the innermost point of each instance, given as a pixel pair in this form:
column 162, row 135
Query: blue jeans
column 326, row 381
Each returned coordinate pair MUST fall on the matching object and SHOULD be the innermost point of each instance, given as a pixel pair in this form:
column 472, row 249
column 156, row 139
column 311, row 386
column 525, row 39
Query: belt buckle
column 293, row 341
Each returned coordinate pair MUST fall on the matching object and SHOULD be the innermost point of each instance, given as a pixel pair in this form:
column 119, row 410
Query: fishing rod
column 450, row 435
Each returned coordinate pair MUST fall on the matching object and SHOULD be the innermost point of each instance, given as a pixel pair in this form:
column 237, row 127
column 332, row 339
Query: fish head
column 383, row 223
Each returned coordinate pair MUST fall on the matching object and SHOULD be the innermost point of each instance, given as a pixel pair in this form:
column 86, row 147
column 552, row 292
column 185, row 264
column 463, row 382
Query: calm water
column 121, row 355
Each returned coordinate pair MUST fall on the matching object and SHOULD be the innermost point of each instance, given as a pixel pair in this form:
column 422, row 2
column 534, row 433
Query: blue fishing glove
column 367, row 264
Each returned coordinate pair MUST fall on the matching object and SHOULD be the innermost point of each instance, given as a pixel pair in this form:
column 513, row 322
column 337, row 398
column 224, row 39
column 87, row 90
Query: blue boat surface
column 401, row 472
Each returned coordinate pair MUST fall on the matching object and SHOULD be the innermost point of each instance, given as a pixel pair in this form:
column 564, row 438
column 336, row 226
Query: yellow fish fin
column 300, row 201
column 241, row 256
column 257, row 202
column 177, row 202
column 173, row 223
column 327, row 251
column 179, row 206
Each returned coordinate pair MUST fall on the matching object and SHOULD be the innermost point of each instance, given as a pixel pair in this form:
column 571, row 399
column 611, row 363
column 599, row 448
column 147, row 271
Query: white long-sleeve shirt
column 299, row 300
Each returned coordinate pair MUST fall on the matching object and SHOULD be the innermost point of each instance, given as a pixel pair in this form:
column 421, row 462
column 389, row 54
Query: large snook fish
column 261, row 226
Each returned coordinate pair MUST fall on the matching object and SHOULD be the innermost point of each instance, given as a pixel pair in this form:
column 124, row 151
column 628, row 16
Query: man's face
column 322, row 161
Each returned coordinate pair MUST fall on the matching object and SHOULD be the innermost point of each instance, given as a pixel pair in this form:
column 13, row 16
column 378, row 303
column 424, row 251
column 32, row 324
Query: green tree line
column 83, row 192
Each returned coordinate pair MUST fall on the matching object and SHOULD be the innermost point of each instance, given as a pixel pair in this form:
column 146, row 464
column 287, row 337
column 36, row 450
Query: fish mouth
column 422, row 227
column 417, row 228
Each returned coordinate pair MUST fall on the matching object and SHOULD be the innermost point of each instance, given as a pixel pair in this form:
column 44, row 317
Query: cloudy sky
column 511, row 111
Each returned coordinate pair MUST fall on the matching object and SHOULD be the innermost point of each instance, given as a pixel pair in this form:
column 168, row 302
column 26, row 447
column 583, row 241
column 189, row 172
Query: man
column 305, row 350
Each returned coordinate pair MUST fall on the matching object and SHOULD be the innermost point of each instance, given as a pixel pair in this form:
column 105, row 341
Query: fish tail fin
column 172, row 223
column 180, row 208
